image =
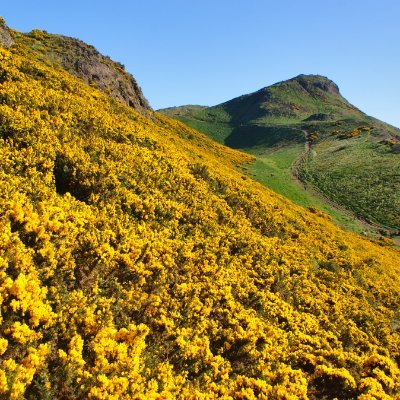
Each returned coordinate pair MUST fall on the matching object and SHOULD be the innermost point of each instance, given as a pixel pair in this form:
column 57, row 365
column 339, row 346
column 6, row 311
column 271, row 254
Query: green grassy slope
column 353, row 159
column 274, row 168
column 367, row 173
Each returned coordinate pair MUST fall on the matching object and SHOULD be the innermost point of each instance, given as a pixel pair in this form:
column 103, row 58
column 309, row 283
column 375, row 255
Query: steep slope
column 350, row 157
column 138, row 262
column 83, row 61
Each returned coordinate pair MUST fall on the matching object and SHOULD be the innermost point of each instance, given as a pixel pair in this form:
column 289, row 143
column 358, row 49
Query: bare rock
column 87, row 63
column 311, row 83
column 6, row 40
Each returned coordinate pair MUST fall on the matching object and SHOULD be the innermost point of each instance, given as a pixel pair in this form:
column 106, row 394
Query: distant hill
column 351, row 158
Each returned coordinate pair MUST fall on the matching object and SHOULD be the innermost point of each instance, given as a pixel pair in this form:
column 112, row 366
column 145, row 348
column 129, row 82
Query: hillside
column 81, row 60
column 138, row 261
column 350, row 158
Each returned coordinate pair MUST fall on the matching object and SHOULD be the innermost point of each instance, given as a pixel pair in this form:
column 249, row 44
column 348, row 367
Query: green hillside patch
column 273, row 168
column 354, row 160
column 253, row 136
column 217, row 131
column 367, row 172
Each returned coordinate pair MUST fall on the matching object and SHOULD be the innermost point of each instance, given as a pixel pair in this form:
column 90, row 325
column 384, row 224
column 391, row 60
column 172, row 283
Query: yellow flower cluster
column 136, row 263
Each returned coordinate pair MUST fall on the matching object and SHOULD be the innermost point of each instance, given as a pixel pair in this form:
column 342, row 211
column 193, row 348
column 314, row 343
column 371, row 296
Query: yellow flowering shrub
column 136, row 263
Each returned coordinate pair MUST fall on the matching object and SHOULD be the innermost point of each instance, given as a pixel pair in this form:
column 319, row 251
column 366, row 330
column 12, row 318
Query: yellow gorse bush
column 137, row 262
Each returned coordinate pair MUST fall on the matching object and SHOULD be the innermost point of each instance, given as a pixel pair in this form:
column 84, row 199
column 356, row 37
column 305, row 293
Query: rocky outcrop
column 87, row 63
column 312, row 82
column 83, row 61
column 318, row 117
column 6, row 40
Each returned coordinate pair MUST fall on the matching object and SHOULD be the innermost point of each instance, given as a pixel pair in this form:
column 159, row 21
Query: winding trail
column 374, row 229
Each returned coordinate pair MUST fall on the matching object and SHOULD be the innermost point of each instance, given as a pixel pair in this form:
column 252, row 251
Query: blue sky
column 209, row 51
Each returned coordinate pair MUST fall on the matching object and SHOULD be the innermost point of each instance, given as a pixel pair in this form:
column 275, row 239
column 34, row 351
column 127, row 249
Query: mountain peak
column 316, row 82
column 291, row 101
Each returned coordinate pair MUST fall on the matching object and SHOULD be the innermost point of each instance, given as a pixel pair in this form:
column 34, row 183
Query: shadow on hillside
column 255, row 135
column 247, row 108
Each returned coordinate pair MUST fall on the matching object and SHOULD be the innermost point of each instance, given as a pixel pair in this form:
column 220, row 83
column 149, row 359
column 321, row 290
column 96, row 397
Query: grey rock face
column 312, row 82
column 6, row 39
column 87, row 63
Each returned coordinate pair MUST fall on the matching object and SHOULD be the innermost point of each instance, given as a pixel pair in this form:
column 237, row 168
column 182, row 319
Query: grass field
column 373, row 194
column 273, row 169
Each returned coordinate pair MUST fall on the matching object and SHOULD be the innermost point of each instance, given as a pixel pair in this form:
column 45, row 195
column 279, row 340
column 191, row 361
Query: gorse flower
column 135, row 263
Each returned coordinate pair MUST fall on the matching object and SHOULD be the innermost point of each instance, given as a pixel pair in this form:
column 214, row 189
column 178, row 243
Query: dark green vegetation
column 304, row 129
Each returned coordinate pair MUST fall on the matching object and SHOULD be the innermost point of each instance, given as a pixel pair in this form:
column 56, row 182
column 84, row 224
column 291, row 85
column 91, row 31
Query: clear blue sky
column 209, row 51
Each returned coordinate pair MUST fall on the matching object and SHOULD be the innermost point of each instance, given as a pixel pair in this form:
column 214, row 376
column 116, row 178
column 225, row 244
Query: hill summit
column 312, row 82
column 284, row 102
